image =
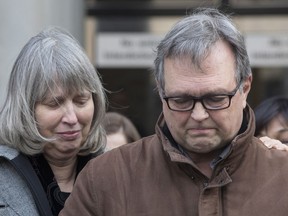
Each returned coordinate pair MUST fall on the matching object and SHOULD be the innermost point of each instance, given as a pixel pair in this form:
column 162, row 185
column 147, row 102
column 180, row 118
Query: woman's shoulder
column 17, row 196
column 8, row 152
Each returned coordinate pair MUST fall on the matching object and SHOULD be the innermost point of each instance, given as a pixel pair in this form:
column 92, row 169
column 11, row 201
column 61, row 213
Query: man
column 203, row 159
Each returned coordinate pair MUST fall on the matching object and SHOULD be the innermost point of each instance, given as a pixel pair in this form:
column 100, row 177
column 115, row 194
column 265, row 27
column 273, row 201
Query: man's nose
column 199, row 113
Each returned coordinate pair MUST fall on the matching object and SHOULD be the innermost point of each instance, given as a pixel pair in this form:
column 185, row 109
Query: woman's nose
column 69, row 114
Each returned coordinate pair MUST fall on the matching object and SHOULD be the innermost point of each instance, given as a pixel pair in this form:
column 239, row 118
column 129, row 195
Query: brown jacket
column 152, row 178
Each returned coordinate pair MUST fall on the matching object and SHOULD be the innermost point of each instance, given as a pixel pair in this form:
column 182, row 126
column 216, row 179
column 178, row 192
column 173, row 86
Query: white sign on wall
column 125, row 50
column 137, row 50
column 270, row 50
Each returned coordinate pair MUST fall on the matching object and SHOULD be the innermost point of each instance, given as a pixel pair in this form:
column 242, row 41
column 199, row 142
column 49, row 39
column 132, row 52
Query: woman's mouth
column 69, row 135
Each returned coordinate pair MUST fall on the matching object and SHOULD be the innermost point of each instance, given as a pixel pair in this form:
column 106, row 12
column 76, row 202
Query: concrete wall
column 22, row 19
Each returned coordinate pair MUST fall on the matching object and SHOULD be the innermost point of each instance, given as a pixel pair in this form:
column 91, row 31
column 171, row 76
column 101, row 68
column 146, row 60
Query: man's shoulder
column 271, row 157
column 128, row 157
column 129, row 151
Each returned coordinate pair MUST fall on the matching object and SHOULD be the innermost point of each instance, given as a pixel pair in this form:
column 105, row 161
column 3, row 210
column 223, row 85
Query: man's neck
column 203, row 161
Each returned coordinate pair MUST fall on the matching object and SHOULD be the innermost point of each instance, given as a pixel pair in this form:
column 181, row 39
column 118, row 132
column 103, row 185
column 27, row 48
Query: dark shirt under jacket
column 55, row 196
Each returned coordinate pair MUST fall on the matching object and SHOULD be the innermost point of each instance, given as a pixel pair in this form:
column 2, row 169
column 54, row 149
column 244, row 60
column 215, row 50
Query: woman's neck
column 64, row 173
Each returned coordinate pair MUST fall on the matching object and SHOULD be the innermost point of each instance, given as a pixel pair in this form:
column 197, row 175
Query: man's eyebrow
column 207, row 94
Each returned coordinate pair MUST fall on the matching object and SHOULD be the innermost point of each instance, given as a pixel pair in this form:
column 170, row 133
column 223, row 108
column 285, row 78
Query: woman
column 119, row 129
column 272, row 118
column 50, row 124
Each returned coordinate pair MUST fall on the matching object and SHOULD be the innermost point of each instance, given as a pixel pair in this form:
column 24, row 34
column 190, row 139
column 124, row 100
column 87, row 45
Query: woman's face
column 115, row 140
column 277, row 128
column 67, row 118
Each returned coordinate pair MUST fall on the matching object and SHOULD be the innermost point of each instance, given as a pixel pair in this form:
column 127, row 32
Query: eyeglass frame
column 200, row 99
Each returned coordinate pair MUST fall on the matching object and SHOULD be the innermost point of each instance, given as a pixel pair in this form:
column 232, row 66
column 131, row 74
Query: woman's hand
column 273, row 143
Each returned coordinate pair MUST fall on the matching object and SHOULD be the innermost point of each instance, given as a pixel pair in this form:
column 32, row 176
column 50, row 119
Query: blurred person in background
column 272, row 118
column 50, row 124
column 119, row 130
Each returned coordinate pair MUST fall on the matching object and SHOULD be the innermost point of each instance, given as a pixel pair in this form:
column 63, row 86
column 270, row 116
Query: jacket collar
column 234, row 152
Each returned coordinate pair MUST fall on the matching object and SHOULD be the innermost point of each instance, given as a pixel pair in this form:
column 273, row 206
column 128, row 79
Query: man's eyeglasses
column 209, row 102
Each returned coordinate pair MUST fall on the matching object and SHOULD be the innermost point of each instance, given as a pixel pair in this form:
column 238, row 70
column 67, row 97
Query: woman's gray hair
column 50, row 59
column 194, row 36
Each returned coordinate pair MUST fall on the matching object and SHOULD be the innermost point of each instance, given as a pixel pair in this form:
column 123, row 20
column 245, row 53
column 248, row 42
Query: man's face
column 201, row 130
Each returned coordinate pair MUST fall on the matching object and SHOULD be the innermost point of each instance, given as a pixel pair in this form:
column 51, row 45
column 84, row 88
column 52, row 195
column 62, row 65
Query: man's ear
column 246, row 86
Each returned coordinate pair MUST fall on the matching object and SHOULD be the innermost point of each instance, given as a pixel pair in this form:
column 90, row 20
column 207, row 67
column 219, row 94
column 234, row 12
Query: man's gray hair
column 194, row 36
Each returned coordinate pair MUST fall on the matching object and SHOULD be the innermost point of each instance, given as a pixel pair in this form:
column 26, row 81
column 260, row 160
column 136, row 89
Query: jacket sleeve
column 82, row 200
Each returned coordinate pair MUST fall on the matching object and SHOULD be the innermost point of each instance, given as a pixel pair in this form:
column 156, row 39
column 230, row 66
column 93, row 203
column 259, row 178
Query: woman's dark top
column 55, row 197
